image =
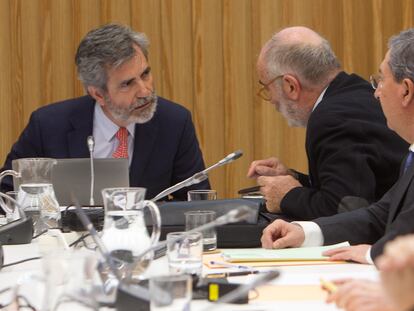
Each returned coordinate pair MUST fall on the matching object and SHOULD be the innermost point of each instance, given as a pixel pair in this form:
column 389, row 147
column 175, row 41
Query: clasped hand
column 274, row 180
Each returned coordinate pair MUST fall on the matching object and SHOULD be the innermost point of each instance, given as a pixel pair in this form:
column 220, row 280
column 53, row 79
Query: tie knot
column 121, row 134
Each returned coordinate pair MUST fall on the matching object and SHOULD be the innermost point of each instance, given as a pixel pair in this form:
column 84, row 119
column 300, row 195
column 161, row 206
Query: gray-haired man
column 353, row 157
column 370, row 228
column 122, row 112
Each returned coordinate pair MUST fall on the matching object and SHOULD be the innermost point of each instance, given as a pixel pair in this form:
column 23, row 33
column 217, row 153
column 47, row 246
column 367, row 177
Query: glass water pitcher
column 36, row 196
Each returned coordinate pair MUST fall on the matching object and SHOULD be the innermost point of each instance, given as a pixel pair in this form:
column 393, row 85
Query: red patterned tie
column 122, row 150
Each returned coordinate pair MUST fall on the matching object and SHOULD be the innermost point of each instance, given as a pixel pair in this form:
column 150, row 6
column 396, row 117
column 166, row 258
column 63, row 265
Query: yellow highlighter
column 329, row 286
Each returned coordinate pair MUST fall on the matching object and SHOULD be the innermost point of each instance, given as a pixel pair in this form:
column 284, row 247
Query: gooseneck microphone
column 198, row 177
column 91, row 146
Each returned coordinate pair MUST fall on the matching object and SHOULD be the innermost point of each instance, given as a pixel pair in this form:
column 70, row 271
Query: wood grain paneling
column 203, row 55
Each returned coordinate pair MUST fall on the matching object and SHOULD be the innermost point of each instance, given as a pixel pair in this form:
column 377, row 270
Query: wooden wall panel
column 203, row 55
column 208, row 77
column 238, row 89
column 176, row 51
column 6, row 106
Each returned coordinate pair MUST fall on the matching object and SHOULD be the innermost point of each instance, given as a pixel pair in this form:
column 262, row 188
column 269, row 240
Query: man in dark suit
column 123, row 114
column 391, row 216
column 353, row 157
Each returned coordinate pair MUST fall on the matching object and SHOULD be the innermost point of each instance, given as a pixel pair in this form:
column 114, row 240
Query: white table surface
column 290, row 275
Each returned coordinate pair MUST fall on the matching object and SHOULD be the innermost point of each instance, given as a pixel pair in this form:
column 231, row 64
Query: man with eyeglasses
column 393, row 215
column 353, row 157
column 369, row 229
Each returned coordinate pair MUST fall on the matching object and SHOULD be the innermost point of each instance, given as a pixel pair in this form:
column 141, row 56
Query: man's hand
column 275, row 188
column 398, row 254
column 281, row 234
column 266, row 167
column 360, row 295
column 397, row 271
column 355, row 253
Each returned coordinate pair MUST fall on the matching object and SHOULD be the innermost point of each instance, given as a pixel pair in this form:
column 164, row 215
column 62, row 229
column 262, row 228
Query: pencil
column 329, row 286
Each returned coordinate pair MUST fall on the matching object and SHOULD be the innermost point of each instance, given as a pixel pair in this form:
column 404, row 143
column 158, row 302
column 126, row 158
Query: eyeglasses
column 264, row 92
column 375, row 81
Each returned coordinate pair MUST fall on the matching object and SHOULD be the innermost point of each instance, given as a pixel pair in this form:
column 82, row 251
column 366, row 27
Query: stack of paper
column 287, row 254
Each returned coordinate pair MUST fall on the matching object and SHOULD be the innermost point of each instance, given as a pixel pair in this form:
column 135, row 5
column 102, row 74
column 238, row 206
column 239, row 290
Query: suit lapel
column 400, row 191
column 82, row 127
column 144, row 141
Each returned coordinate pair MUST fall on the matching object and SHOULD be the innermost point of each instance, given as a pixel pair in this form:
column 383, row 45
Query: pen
column 249, row 190
column 227, row 274
column 329, row 286
column 228, row 265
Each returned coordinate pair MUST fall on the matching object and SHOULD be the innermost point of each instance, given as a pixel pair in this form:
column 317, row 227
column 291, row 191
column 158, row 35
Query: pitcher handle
column 156, row 221
column 2, row 175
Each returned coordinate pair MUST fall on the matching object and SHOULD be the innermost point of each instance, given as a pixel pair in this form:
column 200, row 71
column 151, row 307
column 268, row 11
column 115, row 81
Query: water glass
column 197, row 195
column 172, row 293
column 185, row 252
column 198, row 218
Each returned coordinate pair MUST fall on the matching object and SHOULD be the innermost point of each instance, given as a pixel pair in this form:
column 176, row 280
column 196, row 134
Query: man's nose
column 144, row 88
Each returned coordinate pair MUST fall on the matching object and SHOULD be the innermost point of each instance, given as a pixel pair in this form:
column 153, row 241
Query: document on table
column 287, row 254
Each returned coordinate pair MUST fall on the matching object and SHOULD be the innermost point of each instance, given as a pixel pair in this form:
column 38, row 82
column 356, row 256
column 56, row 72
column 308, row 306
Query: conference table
column 297, row 287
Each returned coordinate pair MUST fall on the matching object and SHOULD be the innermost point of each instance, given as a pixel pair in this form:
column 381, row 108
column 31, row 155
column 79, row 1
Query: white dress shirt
column 104, row 131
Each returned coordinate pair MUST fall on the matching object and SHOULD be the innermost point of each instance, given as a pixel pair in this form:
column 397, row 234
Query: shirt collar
column 106, row 126
column 319, row 98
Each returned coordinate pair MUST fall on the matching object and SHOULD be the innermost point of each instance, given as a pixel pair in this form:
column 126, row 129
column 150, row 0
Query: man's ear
column 97, row 94
column 408, row 92
column 291, row 86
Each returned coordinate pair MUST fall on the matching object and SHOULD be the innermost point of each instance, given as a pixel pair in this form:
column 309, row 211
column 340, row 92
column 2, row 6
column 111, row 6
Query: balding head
column 300, row 51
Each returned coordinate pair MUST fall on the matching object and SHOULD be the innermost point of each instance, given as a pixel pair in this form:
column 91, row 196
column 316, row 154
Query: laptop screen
column 74, row 175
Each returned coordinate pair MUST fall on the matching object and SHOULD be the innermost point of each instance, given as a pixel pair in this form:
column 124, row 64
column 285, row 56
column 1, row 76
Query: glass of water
column 197, row 195
column 172, row 293
column 184, row 252
column 196, row 219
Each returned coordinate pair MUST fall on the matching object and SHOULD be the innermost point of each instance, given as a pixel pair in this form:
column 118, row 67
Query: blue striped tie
column 408, row 161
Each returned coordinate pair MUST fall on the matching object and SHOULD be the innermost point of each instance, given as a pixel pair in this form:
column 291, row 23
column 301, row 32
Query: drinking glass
column 197, row 195
column 172, row 293
column 195, row 219
column 185, row 252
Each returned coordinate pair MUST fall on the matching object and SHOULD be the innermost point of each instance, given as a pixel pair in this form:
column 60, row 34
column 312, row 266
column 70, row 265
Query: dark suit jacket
column 381, row 222
column 353, row 157
column 166, row 149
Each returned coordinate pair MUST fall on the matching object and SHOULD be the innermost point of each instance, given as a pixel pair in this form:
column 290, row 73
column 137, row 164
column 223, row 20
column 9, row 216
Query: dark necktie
column 408, row 161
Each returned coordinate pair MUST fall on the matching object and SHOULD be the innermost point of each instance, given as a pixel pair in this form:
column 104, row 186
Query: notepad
column 287, row 254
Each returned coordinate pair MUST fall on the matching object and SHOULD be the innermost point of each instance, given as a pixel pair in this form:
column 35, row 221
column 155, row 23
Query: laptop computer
column 74, row 175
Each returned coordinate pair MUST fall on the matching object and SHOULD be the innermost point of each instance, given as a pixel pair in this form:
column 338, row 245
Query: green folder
column 287, row 254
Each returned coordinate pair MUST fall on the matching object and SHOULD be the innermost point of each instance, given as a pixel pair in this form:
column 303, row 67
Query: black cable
column 38, row 235
column 80, row 239
column 21, row 261
column 28, row 304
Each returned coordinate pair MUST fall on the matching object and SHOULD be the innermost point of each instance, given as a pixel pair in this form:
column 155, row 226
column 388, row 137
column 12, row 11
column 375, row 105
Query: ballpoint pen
column 228, row 274
column 228, row 265
column 329, row 286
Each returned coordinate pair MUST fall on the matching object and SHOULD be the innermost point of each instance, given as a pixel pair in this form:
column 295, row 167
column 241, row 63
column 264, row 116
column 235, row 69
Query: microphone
column 238, row 214
column 91, row 145
column 198, row 177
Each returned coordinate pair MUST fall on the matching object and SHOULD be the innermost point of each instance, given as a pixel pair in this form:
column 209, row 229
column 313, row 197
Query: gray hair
column 313, row 63
column 108, row 46
column 401, row 49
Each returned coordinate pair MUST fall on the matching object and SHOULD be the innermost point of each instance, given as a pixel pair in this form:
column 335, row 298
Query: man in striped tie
column 122, row 112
